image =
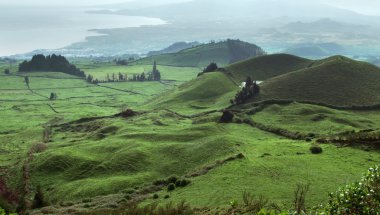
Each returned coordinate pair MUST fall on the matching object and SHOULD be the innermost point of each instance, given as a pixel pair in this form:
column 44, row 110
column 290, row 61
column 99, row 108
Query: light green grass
column 180, row 74
column 111, row 155
column 305, row 118
column 210, row 91
column 275, row 175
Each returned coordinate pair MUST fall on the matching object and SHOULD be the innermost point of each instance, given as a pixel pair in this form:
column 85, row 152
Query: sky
column 76, row 2
column 369, row 7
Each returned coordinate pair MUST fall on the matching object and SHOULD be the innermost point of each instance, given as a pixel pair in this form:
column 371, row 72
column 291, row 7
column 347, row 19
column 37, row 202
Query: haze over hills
column 274, row 25
column 316, row 50
column 222, row 53
column 175, row 47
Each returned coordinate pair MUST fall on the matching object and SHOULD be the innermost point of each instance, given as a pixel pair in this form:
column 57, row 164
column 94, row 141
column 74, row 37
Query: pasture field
column 171, row 73
column 90, row 152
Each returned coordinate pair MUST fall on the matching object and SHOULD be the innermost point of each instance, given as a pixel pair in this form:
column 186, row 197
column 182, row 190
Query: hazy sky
column 370, row 7
column 77, row 2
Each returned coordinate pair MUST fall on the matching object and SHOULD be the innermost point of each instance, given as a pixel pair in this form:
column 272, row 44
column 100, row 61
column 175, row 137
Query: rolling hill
column 315, row 49
column 265, row 67
column 336, row 81
column 222, row 53
column 175, row 47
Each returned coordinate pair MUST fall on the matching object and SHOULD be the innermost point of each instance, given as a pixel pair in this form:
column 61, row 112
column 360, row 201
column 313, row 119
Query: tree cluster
column 7, row 71
column 123, row 62
column 210, row 68
column 50, row 63
column 53, row 96
column 250, row 90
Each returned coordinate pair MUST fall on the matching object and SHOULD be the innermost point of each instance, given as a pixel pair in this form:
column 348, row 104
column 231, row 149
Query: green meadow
column 81, row 149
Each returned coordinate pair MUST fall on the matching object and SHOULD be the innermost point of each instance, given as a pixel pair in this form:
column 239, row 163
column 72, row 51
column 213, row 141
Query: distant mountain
column 375, row 61
column 325, row 25
column 176, row 47
column 315, row 50
column 247, row 9
column 222, row 53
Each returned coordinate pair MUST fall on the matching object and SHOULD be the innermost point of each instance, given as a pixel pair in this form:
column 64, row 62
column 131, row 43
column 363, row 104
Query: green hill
column 265, row 67
column 336, row 80
column 222, row 53
column 208, row 92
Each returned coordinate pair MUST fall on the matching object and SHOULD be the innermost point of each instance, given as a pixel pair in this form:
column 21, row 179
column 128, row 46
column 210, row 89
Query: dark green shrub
column 362, row 197
column 159, row 182
column 155, row 196
column 182, row 183
column 87, row 200
column 227, row 117
column 316, row 149
column 166, row 196
column 129, row 191
column 172, row 179
column 171, row 187
column 211, row 67
column 127, row 197
column 38, row 201
column 308, row 139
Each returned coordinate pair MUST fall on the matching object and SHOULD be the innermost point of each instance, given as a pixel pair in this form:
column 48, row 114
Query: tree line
column 153, row 75
column 50, row 63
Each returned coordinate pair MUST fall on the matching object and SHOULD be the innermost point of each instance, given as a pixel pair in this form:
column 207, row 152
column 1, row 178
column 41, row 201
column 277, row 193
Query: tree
column 155, row 74
column 53, row 96
column 121, row 77
column 90, row 78
column 26, row 79
column 7, row 71
column 211, row 67
column 142, row 76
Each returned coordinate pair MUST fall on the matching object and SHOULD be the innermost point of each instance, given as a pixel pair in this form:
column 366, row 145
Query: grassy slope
column 265, row 67
column 208, row 92
column 200, row 56
column 135, row 152
column 111, row 155
column 336, row 80
column 272, row 168
column 305, row 118
column 179, row 74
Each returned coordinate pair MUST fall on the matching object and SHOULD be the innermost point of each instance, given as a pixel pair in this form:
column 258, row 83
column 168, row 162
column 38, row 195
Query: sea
column 27, row 28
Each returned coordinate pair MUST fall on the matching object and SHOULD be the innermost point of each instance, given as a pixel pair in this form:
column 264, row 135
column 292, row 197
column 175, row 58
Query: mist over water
column 24, row 29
